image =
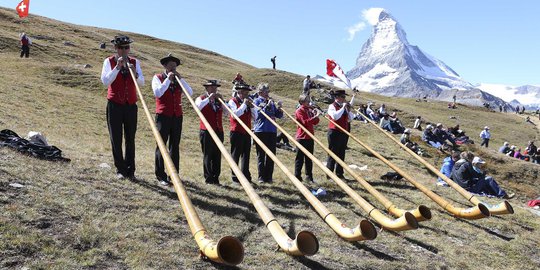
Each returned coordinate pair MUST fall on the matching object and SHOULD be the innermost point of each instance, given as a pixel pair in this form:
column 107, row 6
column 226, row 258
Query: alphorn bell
column 305, row 243
column 421, row 213
column 364, row 231
column 228, row 250
column 405, row 222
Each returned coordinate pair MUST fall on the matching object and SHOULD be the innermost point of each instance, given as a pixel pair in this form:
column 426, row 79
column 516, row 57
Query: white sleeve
column 158, row 87
column 107, row 75
column 335, row 114
column 238, row 111
column 201, row 102
column 254, row 113
column 352, row 100
column 140, row 79
column 186, row 86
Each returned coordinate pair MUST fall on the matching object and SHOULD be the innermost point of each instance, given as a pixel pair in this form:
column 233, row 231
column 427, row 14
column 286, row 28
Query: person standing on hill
column 485, row 136
column 168, row 94
column 273, row 60
column 213, row 112
column 122, row 103
column 308, row 118
column 340, row 113
column 306, row 85
column 266, row 131
column 242, row 107
column 25, row 45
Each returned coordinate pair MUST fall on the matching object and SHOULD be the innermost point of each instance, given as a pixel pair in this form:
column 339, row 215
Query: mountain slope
column 78, row 216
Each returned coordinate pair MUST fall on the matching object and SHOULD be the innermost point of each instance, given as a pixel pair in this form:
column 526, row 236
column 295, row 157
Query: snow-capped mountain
column 527, row 95
column 389, row 65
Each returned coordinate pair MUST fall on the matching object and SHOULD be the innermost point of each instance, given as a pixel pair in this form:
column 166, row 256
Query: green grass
column 77, row 215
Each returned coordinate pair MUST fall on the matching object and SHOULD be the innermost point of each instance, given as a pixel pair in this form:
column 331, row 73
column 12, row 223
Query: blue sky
column 483, row 41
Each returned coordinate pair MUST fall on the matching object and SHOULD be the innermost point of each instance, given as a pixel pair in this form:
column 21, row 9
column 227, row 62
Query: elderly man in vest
column 266, row 131
column 240, row 140
column 340, row 113
column 213, row 113
column 168, row 94
column 122, row 103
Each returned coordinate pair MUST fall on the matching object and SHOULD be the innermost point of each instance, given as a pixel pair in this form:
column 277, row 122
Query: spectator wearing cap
column 485, row 136
column 242, row 107
column 212, row 111
column 340, row 113
column 308, row 118
column 512, row 151
column 406, row 140
column 266, row 131
column 504, row 149
column 122, row 103
column 25, row 45
column 486, row 184
column 168, row 95
column 443, row 135
column 430, row 138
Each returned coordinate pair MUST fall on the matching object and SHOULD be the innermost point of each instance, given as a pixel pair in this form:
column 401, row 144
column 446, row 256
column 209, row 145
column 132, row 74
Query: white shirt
column 159, row 88
column 202, row 102
column 108, row 74
column 485, row 134
column 336, row 114
column 306, row 83
column 238, row 111
column 417, row 123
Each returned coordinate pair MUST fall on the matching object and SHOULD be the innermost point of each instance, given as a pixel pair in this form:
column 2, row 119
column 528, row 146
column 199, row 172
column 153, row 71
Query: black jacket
column 463, row 174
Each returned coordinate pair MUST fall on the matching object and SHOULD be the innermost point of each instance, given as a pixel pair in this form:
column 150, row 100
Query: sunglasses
column 126, row 47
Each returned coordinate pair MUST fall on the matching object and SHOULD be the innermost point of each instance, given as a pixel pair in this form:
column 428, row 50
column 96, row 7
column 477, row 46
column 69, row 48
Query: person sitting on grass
column 406, row 140
column 446, row 168
column 430, row 138
column 504, row 148
column 395, row 124
column 385, row 123
column 418, row 123
column 467, row 172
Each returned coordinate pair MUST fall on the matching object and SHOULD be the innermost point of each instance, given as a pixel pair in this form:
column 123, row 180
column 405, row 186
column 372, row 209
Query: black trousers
column 301, row 158
column 265, row 164
column 211, row 156
column 122, row 123
column 337, row 142
column 240, row 150
column 170, row 129
column 281, row 137
column 25, row 51
column 485, row 142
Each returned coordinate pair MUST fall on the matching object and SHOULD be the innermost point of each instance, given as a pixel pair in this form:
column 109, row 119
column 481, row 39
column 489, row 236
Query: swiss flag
column 22, row 8
column 334, row 70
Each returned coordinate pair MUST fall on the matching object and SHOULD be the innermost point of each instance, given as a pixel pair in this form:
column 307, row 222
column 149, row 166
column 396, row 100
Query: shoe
column 442, row 184
column 310, row 179
column 509, row 196
column 165, row 183
column 261, row 181
column 120, row 176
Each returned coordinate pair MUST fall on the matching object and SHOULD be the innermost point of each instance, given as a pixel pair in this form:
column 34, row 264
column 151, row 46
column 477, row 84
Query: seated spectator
column 512, row 151
column 467, row 172
column 418, row 123
column 504, row 148
column 446, row 168
column 406, row 140
column 451, row 105
column 382, row 109
column 430, row 138
column 385, row 123
column 442, row 135
column 518, row 155
column 395, row 124
column 371, row 114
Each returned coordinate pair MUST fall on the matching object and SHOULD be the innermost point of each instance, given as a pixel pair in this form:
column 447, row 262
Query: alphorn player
column 341, row 113
column 266, row 131
column 168, row 94
column 211, row 109
column 122, row 104
column 308, row 117
column 242, row 107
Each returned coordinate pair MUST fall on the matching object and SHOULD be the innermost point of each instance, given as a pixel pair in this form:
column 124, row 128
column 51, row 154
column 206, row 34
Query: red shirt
column 305, row 116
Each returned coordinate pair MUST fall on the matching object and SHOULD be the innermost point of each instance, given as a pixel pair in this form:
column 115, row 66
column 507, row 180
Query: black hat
column 168, row 58
column 121, row 40
column 336, row 93
column 242, row 86
column 212, row 83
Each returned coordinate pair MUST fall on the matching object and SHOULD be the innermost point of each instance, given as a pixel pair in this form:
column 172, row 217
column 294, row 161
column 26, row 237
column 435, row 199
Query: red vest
column 343, row 121
column 246, row 118
column 24, row 41
column 214, row 118
column 170, row 103
column 122, row 90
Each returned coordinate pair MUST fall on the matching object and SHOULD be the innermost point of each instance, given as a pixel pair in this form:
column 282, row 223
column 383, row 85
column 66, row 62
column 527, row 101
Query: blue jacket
column 446, row 168
column 261, row 123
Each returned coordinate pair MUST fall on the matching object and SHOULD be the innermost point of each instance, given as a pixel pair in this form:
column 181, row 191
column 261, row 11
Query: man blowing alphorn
column 340, row 113
column 168, row 94
column 242, row 107
column 122, row 103
column 213, row 112
column 308, row 117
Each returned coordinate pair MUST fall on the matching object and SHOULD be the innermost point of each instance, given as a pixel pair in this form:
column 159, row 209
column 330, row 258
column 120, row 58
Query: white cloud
column 371, row 16
column 355, row 28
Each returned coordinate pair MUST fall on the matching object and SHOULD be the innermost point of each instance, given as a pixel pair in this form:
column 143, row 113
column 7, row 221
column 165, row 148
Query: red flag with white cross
column 22, row 8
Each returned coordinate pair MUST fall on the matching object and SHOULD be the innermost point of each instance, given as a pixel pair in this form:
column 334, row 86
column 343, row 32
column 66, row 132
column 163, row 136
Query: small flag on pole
column 22, row 8
column 334, row 70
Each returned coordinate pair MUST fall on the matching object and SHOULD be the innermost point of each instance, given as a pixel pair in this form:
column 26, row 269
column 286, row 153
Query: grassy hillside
column 77, row 215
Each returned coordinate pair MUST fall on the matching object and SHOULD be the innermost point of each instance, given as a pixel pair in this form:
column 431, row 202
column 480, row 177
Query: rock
column 16, row 185
column 104, row 165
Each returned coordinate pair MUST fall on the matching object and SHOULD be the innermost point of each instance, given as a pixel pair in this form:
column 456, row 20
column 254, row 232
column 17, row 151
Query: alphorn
column 499, row 209
column 421, row 213
column 405, row 222
column 228, row 250
column 365, row 229
column 305, row 243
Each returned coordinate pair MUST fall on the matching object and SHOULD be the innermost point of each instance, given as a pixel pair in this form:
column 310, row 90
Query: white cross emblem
column 22, row 7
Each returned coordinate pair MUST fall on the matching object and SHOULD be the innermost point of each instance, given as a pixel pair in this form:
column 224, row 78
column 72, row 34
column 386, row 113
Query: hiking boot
column 509, row 196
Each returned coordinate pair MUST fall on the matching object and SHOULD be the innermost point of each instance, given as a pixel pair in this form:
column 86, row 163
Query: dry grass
column 77, row 215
